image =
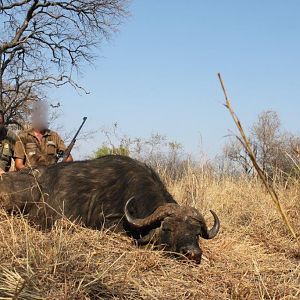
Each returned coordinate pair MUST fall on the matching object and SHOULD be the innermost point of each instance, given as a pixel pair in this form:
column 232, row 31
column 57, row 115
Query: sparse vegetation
column 45, row 44
column 274, row 149
column 253, row 257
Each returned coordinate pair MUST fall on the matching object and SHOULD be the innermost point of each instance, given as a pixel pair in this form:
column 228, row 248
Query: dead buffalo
column 120, row 193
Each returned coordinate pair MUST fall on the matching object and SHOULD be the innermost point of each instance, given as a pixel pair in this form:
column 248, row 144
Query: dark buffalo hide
column 114, row 192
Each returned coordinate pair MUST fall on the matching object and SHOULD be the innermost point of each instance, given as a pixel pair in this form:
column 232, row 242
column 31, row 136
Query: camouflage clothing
column 30, row 149
column 7, row 146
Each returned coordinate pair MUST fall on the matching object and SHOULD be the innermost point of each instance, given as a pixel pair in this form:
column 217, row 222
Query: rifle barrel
column 71, row 145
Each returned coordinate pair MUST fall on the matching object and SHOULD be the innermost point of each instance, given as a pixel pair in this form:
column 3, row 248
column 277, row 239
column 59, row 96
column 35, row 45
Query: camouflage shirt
column 7, row 146
column 30, row 149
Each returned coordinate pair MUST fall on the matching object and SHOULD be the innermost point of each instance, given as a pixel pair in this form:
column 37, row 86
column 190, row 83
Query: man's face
column 40, row 117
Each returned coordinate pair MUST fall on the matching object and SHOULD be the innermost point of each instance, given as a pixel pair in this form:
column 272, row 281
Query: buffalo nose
column 192, row 254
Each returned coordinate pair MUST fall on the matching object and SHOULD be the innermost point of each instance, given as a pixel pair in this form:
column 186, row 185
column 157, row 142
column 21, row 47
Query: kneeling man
column 38, row 142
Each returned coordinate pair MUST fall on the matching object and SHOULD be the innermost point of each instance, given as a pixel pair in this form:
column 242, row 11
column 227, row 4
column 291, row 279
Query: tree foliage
column 106, row 150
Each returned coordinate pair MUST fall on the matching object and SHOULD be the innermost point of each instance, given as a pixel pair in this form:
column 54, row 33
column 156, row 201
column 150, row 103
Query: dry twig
column 246, row 144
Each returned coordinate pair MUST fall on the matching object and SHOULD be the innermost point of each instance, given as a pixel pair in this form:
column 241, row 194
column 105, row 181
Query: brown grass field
column 253, row 257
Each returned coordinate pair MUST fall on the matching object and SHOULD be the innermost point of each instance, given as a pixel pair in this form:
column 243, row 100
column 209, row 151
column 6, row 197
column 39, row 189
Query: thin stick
column 246, row 144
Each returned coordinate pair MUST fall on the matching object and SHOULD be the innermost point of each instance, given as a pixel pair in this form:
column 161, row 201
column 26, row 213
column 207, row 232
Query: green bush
column 105, row 150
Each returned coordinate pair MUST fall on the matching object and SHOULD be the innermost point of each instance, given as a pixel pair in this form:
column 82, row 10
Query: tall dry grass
column 253, row 257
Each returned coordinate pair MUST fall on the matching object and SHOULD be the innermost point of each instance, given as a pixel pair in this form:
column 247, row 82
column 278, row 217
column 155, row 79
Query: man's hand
column 69, row 158
column 2, row 172
column 19, row 164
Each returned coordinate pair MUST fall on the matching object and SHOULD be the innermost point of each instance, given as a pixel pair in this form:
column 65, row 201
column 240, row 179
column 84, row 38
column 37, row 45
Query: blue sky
column 159, row 73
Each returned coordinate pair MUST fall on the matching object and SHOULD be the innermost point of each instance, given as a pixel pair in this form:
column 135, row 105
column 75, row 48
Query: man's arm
column 12, row 137
column 19, row 155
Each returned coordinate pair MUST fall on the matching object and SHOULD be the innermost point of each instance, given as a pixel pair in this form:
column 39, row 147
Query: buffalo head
column 175, row 228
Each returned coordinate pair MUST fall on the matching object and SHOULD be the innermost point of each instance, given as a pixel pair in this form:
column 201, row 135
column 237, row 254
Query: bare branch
column 12, row 5
column 44, row 42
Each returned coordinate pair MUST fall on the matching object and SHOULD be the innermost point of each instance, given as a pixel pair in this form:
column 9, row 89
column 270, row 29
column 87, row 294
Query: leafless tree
column 275, row 150
column 44, row 43
column 267, row 135
column 236, row 153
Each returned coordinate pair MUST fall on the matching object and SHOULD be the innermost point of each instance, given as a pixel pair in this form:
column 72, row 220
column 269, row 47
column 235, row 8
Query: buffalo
column 115, row 192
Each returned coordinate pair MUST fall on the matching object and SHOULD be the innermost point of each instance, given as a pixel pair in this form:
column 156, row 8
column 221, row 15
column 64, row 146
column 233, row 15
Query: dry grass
column 253, row 257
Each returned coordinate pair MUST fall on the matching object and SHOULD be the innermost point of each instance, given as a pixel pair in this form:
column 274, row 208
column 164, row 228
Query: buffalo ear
column 166, row 224
column 152, row 236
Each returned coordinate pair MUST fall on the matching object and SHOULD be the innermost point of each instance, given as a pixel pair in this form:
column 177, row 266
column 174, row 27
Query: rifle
column 63, row 155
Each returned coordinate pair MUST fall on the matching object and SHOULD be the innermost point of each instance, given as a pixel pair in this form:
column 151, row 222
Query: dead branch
column 246, row 144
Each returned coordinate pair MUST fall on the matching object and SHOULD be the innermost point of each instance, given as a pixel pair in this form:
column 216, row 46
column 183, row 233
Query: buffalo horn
column 209, row 234
column 158, row 215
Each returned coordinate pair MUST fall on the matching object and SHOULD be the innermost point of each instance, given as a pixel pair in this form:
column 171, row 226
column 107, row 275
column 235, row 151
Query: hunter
column 38, row 142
